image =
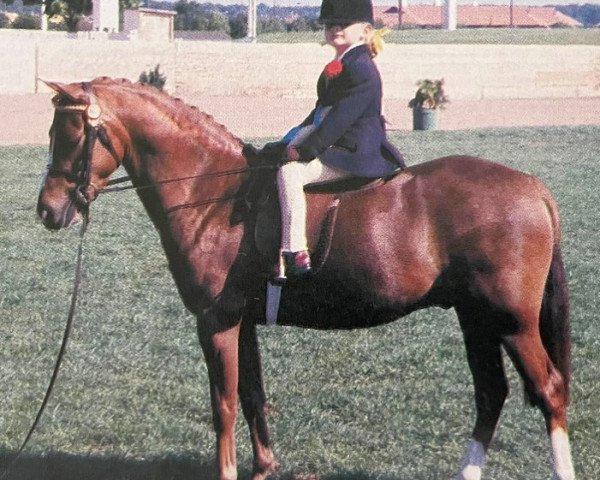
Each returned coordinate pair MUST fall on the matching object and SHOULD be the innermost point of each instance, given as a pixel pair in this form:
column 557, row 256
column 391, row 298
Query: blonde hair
column 372, row 38
column 375, row 40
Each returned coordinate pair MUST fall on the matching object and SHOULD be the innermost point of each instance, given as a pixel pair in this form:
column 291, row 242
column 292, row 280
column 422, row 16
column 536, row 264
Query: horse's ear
column 72, row 91
column 51, row 85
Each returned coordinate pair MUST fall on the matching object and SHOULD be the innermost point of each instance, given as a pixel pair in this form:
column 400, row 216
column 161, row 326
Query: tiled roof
column 476, row 16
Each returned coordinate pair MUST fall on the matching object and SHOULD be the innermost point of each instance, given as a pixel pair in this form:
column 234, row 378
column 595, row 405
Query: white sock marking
column 473, row 461
column 561, row 455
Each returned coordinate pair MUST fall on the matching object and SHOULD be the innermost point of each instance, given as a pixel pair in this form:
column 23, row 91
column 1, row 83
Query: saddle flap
column 320, row 224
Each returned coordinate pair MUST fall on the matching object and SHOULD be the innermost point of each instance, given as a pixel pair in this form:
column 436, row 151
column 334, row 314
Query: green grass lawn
column 504, row 36
column 393, row 402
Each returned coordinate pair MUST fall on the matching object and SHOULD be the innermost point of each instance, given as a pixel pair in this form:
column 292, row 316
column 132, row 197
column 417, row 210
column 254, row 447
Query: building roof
column 156, row 12
column 476, row 16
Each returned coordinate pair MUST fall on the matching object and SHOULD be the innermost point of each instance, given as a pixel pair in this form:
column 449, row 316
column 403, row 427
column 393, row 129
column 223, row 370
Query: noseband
column 93, row 130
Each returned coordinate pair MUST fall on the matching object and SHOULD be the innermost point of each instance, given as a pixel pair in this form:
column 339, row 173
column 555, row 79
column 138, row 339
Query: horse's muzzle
column 55, row 217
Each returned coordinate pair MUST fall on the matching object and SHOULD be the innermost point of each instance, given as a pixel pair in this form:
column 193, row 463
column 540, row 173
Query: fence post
column 36, row 66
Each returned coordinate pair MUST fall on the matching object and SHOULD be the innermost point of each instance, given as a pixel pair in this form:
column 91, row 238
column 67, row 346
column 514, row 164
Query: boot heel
column 296, row 264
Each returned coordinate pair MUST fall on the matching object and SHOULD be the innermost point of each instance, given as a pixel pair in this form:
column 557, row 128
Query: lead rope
column 63, row 347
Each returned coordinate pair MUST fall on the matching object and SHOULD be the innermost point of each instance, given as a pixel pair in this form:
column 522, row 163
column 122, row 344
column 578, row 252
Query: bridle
column 93, row 130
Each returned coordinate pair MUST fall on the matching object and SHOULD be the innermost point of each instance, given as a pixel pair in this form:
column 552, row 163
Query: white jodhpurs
column 291, row 179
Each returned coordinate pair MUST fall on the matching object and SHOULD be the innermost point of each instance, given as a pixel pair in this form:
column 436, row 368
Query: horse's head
column 82, row 156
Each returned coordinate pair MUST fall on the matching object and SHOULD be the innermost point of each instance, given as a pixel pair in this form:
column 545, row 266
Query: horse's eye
column 71, row 132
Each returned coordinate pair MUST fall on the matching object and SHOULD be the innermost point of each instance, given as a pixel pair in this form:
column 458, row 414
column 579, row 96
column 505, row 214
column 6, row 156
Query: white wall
column 290, row 70
column 105, row 15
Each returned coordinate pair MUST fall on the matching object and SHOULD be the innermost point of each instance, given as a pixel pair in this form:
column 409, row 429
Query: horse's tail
column 555, row 326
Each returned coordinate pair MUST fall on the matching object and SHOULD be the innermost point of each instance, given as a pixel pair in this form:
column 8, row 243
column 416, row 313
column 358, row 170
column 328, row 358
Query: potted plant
column 429, row 97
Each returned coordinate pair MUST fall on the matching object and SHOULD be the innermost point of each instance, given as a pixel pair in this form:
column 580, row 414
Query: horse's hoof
column 469, row 473
column 263, row 472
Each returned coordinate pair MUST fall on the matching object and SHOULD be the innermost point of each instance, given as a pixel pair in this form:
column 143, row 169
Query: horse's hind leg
column 546, row 389
column 491, row 388
column 253, row 399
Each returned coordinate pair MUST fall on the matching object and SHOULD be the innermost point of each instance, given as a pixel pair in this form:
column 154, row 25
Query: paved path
column 25, row 119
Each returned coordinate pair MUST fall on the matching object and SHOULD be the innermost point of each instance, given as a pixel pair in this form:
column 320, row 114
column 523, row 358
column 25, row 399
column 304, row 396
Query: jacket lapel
column 329, row 90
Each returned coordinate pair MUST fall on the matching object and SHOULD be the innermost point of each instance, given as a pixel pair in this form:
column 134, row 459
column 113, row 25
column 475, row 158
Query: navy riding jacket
column 352, row 135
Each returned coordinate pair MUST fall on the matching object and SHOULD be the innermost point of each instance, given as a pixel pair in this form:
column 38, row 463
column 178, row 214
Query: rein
column 93, row 130
column 236, row 171
column 222, row 173
column 61, row 352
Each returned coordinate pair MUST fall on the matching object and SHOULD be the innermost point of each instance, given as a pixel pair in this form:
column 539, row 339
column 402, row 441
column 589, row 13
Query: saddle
column 261, row 199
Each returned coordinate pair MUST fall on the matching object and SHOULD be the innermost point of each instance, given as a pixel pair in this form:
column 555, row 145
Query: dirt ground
column 25, row 119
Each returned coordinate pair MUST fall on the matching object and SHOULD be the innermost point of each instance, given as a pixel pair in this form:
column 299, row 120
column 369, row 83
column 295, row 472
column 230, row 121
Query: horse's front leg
column 220, row 347
column 253, row 399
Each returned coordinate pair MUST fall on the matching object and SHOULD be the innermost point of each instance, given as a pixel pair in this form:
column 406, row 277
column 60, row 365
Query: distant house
column 471, row 16
column 149, row 24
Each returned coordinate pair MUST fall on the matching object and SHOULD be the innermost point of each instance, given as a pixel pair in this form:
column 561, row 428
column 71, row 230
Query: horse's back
column 466, row 194
column 461, row 193
column 455, row 193
column 476, row 175
column 452, row 217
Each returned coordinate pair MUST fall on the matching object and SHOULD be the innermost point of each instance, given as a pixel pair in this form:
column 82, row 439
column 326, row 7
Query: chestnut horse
column 457, row 232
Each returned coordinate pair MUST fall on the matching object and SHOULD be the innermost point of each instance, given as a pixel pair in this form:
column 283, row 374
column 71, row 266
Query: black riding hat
column 346, row 11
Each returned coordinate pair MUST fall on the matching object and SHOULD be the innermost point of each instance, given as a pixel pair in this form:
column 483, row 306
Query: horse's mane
column 190, row 119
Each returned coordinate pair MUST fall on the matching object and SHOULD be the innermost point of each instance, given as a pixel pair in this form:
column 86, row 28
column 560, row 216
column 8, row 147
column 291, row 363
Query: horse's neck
column 188, row 176
column 186, row 158
column 191, row 214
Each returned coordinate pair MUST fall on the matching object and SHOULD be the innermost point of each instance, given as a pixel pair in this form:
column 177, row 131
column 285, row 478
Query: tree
column 26, row 22
column 233, row 18
column 214, row 21
column 270, row 24
column 195, row 16
column 4, row 21
column 238, row 25
column 304, row 24
column 71, row 11
column 187, row 13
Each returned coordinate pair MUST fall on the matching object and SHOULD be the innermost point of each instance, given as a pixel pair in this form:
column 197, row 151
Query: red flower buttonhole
column 333, row 68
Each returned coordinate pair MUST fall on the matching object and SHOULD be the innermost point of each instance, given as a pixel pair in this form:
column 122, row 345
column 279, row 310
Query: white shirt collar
column 349, row 48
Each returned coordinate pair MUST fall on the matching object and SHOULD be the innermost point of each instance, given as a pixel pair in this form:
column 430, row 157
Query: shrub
column 238, row 25
column 214, row 21
column 429, row 94
column 154, row 78
column 58, row 25
column 27, row 22
column 304, row 24
column 270, row 24
column 4, row 21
